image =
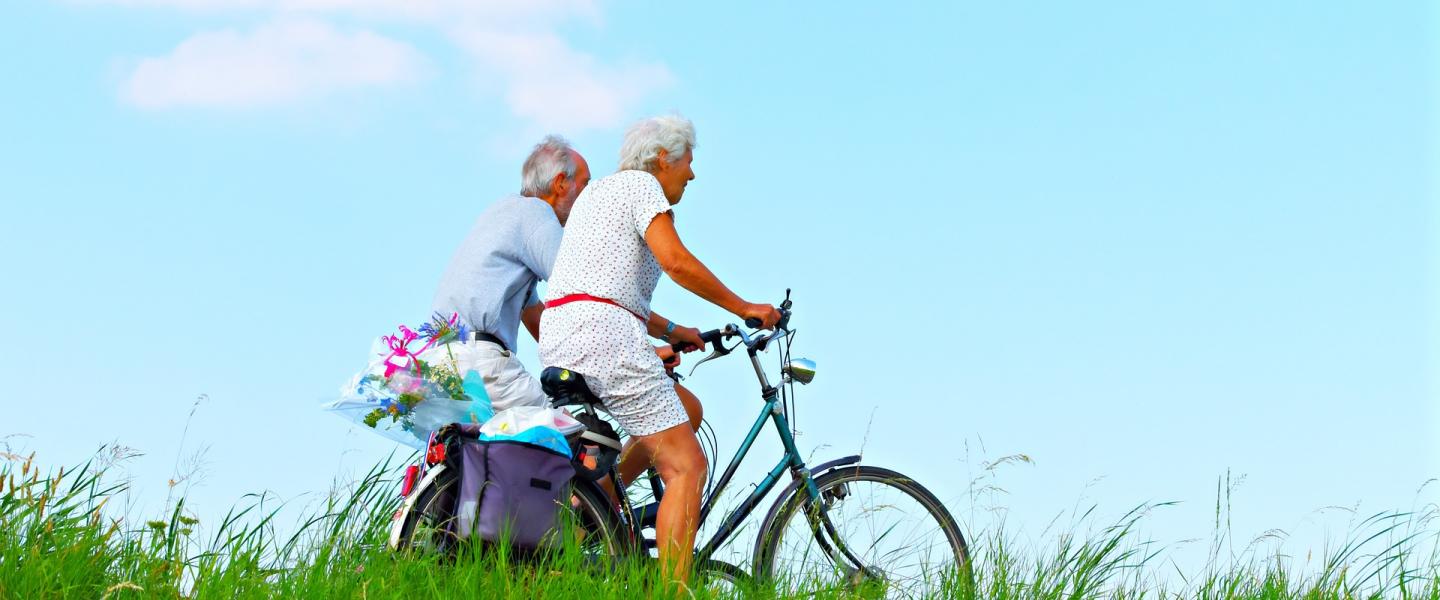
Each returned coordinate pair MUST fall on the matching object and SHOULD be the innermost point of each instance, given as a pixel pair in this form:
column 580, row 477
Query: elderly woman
column 620, row 236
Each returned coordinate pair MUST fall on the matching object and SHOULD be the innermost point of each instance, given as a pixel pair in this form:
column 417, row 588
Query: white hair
column 552, row 156
column 644, row 139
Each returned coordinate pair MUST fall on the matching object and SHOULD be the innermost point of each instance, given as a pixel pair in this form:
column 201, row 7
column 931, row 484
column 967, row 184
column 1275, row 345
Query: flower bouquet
column 411, row 391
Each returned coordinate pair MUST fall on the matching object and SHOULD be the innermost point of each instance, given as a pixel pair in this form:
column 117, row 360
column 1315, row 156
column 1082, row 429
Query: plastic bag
column 408, row 405
column 538, row 425
column 519, row 418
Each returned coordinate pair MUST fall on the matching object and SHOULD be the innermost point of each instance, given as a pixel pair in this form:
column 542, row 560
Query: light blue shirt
column 492, row 276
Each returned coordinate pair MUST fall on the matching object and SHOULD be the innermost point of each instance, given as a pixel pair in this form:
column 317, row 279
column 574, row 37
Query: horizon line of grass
column 57, row 541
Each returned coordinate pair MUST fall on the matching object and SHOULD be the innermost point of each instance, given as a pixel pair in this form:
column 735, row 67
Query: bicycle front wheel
column 871, row 530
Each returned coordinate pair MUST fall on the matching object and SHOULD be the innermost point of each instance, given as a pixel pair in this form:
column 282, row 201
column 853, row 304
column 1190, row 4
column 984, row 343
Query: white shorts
column 610, row 347
column 506, row 380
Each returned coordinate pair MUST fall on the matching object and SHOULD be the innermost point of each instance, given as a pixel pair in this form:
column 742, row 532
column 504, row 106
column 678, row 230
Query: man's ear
column 558, row 184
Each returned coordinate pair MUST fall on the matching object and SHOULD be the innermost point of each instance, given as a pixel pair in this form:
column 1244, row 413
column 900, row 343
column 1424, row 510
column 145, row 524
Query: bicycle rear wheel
column 595, row 529
column 872, row 531
column 428, row 526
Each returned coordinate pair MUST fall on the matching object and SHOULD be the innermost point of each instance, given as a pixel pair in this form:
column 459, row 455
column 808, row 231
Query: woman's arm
column 693, row 275
column 657, row 327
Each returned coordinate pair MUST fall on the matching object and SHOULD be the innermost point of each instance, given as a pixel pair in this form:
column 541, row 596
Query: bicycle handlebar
column 712, row 337
column 715, row 336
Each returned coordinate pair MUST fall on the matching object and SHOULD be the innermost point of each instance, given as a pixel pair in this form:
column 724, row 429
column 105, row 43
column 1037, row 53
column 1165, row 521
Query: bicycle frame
column 791, row 460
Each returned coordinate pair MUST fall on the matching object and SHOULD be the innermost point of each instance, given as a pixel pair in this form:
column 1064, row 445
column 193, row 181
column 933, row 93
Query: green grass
column 58, row 540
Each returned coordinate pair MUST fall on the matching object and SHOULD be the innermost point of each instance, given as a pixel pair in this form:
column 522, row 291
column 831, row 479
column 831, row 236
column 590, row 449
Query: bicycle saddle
column 566, row 387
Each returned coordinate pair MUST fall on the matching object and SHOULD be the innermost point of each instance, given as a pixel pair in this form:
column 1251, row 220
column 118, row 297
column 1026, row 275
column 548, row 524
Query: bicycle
column 838, row 523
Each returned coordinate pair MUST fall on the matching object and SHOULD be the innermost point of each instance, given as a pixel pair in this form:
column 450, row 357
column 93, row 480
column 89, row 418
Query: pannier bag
column 513, row 486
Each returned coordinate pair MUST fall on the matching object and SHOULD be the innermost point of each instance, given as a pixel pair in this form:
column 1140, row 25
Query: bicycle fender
column 397, row 522
column 789, row 490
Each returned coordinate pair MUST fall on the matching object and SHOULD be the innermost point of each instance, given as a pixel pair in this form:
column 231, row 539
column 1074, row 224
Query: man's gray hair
column 552, row 156
column 644, row 139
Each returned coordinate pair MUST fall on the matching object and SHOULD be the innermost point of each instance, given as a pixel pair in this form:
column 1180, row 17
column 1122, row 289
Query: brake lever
column 720, row 350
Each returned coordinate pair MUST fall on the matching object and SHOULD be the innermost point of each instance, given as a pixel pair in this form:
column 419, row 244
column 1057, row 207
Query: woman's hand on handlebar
column 686, row 339
column 668, row 356
column 760, row 316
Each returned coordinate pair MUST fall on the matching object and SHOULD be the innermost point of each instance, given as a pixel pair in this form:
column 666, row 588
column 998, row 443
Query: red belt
column 588, row 298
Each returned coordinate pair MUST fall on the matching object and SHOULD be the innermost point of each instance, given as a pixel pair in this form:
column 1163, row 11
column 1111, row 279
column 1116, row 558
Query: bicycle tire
column 774, row 561
column 722, row 579
column 596, row 516
column 431, row 517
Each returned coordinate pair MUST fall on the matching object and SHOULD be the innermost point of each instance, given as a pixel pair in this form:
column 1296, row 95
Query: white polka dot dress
column 604, row 254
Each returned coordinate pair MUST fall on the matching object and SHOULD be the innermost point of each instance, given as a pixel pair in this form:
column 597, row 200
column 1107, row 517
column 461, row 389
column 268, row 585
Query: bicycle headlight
column 801, row 370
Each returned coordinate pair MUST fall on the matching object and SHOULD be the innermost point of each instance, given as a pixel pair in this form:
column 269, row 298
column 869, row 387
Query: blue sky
column 1142, row 244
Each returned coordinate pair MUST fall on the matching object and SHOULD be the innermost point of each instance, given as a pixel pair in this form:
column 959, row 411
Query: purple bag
column 511, row 490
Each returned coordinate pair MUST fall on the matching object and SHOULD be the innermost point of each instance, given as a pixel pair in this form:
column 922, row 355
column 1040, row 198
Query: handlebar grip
column 710, row 337
column 753, row 322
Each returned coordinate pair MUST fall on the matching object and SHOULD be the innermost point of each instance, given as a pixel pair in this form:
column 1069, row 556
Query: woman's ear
column 660, row 159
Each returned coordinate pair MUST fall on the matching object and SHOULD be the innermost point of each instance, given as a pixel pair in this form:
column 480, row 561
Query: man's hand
column 689, row 337
column 765, row 312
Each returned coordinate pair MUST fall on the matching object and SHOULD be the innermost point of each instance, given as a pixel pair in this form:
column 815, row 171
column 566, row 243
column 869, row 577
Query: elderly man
column 491, row 279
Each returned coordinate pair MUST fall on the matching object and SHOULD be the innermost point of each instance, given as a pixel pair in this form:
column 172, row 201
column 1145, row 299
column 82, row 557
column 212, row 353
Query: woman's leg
column 676, row 454
column 692, row 406
column 632, row 464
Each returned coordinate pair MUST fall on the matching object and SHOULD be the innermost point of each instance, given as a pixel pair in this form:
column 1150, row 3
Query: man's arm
column 530, row 316
column 541, row 246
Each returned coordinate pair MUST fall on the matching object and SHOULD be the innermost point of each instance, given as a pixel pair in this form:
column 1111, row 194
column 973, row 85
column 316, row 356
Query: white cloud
column 509, row 12
column 558, row 87
column 279, row 63
column 544, row 81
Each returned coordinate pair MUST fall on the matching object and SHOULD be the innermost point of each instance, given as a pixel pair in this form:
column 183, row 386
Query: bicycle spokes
column 831, row 542
column 867, row 529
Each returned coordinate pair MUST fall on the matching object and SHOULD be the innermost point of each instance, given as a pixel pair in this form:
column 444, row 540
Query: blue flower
column 395, row 408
